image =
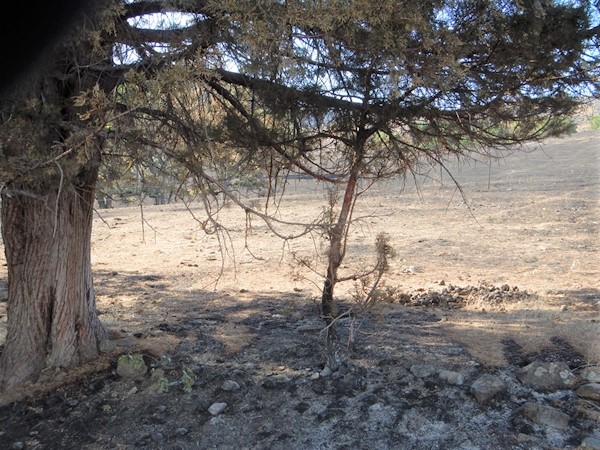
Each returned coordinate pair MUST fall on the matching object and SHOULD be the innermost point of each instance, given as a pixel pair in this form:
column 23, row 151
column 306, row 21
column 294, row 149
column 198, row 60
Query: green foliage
column 595, row 122
column 188, row 378
column 135, row 361
column 162, row 385
column 161, row 381
column 369, row 288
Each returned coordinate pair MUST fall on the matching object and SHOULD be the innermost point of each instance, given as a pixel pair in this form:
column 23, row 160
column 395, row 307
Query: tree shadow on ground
column 271, row 345
column 586, row 298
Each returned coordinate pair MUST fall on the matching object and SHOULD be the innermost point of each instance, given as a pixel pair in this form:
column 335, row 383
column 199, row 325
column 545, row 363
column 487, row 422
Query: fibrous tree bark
column 52, row 311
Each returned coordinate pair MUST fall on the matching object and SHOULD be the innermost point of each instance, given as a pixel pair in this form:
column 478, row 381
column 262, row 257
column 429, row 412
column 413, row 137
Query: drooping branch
column 310, row 97
column 145, row 7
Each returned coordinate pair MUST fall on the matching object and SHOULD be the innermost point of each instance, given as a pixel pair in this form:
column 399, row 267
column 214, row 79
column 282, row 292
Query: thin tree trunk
column 335, row 258
column 52, row 319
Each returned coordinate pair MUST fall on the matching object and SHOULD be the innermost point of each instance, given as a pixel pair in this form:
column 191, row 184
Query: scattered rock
column 546, row 376
column 456, row 296
column 546, row 415
column 157, row 436
column 524, row 438
column 590, row 391
column 452, row 377
column 591, row 442
column 131, row 366
column 591, row 374
column 230, row 385
column 106, row 346
column 408, row 385
column 421, row 370
column 487, row 386
column 217, row 408
column 17, row 446
column 337, row 375
column 326, row 372
column 276, row 381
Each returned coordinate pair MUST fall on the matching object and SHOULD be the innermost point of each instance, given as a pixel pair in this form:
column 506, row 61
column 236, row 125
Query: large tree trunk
column 52, row 319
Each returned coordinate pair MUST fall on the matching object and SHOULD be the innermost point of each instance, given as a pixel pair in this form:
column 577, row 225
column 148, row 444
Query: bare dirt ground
column 511, row 279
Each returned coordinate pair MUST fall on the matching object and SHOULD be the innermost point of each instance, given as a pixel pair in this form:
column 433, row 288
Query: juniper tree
column 359, row 91
column 346, row 91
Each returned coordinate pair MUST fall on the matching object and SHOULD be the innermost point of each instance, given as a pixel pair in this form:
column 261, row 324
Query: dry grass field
column 532, row 221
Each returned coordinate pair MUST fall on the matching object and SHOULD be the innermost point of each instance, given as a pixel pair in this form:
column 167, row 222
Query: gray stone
column 591, row 374
column 452, row 377
column 421, row 370
column 526, row 438
column 546, row 415
column 157, row 436
column 106, row 346
column 376, row 407
column 546, row 376
column 230, row 385
column 487, row 386
column 217, row 408
column 590, row 391
column 276, row 381
column 17, row 446
column 131, row 366
column 591, row 442
column 181, row 431
column 326, row 372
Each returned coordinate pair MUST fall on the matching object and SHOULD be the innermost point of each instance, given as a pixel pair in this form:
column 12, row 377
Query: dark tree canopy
column 416, row 79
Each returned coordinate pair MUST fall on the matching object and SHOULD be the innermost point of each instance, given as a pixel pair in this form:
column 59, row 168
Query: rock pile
column 457, row 297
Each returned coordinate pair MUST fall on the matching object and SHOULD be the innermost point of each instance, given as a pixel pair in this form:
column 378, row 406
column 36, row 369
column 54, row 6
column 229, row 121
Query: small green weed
column 162, row 385
column 188, row 378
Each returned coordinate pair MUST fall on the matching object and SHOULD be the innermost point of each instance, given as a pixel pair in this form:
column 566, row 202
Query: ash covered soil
column 487, row 336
